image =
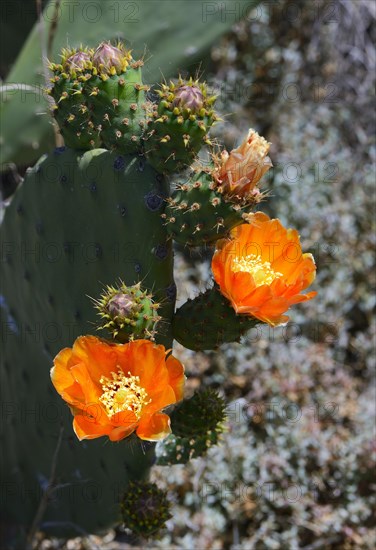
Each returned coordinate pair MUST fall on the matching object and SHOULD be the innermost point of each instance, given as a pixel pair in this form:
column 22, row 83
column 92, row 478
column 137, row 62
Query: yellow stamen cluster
column 262, row 272
column 123, row 393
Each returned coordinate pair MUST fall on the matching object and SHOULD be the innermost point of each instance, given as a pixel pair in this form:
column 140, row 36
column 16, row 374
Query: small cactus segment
column 128, row 312
column 117, row 97
column 145, row 508
column 196, row 424
column 72, row 111
column 209, row 321
column 178, row 127
column 198, row 214
column 99, row 96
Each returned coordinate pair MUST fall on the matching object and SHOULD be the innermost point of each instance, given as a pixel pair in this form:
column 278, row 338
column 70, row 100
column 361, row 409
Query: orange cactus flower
column 239, row 171
column 261, row 269
column 116, row 389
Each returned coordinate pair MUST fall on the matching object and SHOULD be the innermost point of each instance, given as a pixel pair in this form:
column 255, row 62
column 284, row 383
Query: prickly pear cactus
column 93, row 229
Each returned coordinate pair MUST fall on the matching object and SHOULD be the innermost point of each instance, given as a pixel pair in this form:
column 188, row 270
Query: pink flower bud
column 78, row 61
column 108, row 56
column 121, row 305
column 189, row 97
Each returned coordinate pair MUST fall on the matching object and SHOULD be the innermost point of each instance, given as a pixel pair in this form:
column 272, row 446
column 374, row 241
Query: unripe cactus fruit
column 208, row 321
column 72, row 110
column 117, row 97
column 178, row 128
column 198, row 214
column 218, row 197
column 128, row 312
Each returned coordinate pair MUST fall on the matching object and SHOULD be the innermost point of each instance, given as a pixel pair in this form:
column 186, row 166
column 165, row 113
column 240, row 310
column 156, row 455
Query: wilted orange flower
column 239, row 171
column 116, row 389
column 261, row 269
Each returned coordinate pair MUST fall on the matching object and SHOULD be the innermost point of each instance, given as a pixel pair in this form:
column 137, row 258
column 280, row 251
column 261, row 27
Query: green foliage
column 17, row 20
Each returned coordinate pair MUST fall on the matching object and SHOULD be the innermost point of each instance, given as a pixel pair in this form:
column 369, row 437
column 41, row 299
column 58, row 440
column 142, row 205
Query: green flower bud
column 128, row 312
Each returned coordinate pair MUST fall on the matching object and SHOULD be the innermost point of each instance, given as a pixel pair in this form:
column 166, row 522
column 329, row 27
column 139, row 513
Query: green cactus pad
column 196, row 425
column 209, row 321
column 128, row 312
column 145, row 508
column 178, row 127
column 72, row 110
column 198, row 214
column 78, row 222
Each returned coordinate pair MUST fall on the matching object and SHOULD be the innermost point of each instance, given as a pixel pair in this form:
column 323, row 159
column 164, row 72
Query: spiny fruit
column 198, row 213
column 117, row 97
column 178, row 126
column 208, row 321
column 72, row 109
column 128, row 312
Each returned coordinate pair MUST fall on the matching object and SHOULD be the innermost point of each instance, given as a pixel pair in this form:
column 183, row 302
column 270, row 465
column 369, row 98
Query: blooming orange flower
column 239, row 171
column 116, row 389
column 261, row 269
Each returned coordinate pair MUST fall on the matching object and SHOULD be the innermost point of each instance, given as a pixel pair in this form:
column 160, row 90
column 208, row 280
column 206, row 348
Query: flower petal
column 63, row 380
column 85, row 428
column 154, row 428
column 176, row 375
column 100, row 355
